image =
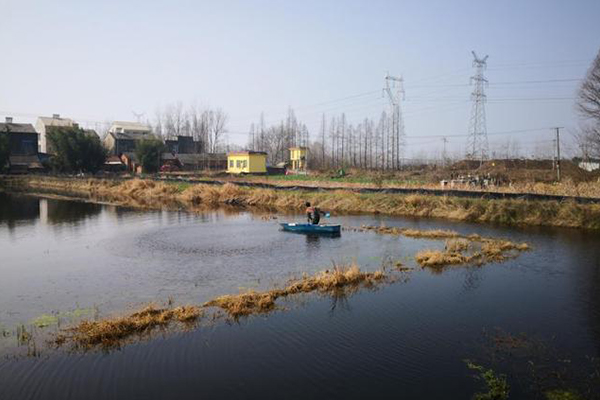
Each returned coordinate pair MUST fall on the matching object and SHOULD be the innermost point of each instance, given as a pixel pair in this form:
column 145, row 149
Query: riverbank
column 151, row 195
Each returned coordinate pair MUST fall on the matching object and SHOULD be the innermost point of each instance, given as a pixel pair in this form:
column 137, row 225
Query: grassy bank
column 150, row 194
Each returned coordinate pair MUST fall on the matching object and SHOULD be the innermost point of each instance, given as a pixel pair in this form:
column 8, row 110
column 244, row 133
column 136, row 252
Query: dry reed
column 150, row 194
column 339, row 278
column 111, row 332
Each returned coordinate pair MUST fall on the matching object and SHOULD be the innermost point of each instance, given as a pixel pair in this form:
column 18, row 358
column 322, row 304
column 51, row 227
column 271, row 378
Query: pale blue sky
column 101, row 60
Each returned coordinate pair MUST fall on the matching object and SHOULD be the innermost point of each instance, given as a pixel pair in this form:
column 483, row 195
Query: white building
column 45, row 124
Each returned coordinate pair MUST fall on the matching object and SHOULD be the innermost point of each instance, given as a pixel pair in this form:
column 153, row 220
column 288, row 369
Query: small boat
column 321, row 229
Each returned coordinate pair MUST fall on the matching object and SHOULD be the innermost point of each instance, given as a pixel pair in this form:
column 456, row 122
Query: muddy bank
column 151, row 195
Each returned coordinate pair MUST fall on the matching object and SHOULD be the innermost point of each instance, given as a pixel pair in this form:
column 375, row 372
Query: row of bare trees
column 339, row 144
column 206, row 125
column 276, row 139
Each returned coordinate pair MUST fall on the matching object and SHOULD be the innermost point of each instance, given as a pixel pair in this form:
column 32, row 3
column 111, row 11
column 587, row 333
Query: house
column 22, row 145
column 184, row 145
column 122, row 137
column 247, row 162
column 203, row 161
column 298, row 158
column 44, row 125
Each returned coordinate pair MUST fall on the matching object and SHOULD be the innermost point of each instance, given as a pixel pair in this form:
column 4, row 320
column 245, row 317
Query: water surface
column 406, row 340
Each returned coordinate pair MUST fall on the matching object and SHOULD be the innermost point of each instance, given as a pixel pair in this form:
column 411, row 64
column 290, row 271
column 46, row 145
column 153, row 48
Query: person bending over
column 313, row 214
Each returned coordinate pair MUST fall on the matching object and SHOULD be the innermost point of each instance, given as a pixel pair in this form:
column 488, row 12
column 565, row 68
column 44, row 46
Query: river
column 534, row 318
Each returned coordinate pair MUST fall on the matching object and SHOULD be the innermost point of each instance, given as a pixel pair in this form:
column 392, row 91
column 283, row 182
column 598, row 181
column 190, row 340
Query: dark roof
column 246, row 153
column 16, row 128
column 132, row 135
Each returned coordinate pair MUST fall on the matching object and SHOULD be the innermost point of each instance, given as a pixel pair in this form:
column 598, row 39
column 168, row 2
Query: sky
column 98, row 61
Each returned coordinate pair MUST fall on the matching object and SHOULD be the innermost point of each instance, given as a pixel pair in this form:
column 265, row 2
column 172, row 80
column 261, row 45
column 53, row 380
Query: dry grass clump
column 471, row 249
column 413, row 233
column 457, row 245
column 437, row 258
column 338, row 278
column 111, row 332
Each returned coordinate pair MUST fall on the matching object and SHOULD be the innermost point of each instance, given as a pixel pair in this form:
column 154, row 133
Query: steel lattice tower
column 395, row 93
column 477, row 145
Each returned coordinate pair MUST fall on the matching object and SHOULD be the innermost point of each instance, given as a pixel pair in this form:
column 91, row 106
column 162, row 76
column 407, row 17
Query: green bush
column 75, row 151
column 148, row 153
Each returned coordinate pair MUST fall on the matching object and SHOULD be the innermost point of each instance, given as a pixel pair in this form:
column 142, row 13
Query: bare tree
column 588, row 105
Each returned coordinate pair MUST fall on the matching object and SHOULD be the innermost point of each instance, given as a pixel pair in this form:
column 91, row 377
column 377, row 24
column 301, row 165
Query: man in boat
column 313, row 214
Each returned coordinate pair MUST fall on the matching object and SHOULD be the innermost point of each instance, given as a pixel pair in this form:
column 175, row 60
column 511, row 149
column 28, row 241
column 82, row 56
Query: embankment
column 151, row 194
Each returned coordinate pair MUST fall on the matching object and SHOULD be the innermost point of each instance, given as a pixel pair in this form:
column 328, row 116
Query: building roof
column 132, row 135
column 51, row 121
column 299, row 148
column 130, row 126
column 16, row 128
column 246, row 153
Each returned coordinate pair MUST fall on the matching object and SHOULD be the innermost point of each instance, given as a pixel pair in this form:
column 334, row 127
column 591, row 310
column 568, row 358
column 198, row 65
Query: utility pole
column 558, row 128
column 444, row 155
column 395, row 92
column 477, row 145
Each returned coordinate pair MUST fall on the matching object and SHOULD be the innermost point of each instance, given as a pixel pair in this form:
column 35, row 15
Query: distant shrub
column 75, row 151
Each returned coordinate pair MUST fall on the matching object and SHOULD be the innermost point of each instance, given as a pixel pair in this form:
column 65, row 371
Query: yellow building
column 247, row 162
column 298, row 158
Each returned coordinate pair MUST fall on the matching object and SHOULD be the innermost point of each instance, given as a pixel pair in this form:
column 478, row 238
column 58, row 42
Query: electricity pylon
column 394, row 88
column 477, row 145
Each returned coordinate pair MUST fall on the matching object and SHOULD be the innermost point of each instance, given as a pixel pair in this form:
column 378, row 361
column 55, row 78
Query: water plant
column 110, row 332
column 339, row 278
column 497, row 387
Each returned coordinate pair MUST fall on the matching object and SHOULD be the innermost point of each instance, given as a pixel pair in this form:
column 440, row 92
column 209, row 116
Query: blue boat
column 321, row 229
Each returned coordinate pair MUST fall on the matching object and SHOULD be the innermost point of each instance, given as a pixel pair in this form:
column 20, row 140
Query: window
column 239, row 164
column 231, row 163
column 244, row 163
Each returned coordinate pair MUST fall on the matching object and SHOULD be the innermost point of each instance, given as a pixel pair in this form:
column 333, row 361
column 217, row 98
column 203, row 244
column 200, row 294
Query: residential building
column 247, row 162
column 203, row 161
column 298, row 158
column 122, row 137
column 44, row 125
column 184, row 145
column 23, row 146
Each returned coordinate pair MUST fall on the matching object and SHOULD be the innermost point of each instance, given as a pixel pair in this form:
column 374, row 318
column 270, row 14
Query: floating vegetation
column 437, row 258
column 539, row 368
column 111, row 332
column 562, row 395
column 339, row 278
column 496, row 384
column 458, row 250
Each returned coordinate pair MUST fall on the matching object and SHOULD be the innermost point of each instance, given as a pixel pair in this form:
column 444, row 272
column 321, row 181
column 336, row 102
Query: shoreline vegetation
column 149, row 194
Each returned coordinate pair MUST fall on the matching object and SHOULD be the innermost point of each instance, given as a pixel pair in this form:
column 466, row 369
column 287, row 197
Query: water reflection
column 18, row 210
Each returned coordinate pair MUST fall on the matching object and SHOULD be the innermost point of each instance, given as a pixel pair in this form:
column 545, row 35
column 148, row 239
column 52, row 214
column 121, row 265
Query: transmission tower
column 138, row 116
column 394, row 88
column 477, row 145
